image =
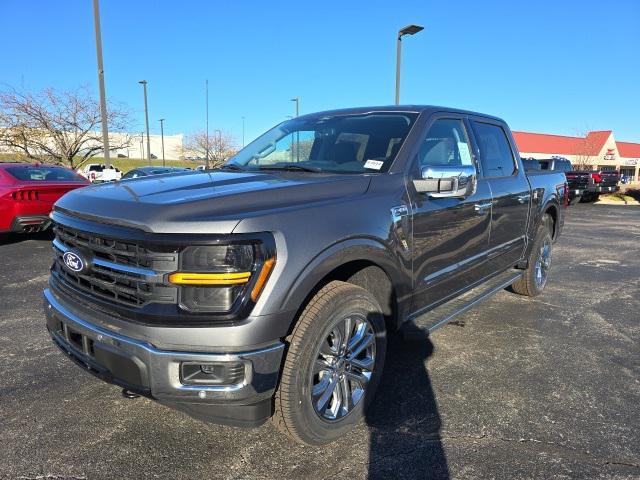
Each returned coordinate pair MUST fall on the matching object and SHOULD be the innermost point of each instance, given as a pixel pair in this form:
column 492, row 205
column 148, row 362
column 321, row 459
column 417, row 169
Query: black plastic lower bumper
column 139, row 367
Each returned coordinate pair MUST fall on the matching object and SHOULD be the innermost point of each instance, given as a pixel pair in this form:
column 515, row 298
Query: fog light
column 212, row 373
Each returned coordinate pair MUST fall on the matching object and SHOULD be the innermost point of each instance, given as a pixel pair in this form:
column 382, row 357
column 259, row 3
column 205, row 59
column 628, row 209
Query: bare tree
column 60, row 126
column 221, row 146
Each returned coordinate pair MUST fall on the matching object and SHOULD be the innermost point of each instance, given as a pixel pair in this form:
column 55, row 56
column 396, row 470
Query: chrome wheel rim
column 543, row 263
column 342, row 368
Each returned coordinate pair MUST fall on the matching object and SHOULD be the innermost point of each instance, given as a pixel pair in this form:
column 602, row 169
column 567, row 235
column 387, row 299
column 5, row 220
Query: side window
column 495, row 152
column 446, row 143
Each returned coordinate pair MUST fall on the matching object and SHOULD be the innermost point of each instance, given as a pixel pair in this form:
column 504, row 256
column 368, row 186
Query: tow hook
column 128, row 394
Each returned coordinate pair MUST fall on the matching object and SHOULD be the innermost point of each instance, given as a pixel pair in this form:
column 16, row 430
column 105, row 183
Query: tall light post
column 162, row 138
column 219, row 145
column 408, row 30
column 297, row 100
column 103, row 99
column 146, row 116
column 242, row 132
column 206, row 149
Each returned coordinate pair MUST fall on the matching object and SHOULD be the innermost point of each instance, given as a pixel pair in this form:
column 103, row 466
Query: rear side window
column 495, row 152
column 565, row 166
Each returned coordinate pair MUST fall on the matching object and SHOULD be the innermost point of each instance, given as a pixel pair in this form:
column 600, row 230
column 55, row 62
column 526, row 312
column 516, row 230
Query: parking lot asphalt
column 516, row 388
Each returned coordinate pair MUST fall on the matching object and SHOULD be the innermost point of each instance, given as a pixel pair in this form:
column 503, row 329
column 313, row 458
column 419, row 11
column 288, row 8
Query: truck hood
column 206, row 202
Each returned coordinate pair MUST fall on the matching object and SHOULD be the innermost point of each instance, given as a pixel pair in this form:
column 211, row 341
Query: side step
column 418, row 328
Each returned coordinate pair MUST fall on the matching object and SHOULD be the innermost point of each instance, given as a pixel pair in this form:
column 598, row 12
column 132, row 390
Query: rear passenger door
column 510, row 193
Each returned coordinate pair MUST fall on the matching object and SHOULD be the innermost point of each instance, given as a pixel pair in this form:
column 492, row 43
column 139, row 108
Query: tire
column 535, row 276
column 575, row 200
column 315, row 342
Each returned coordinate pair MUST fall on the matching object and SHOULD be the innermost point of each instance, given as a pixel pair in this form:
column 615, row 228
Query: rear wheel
column 333, row 365
column 535, row 276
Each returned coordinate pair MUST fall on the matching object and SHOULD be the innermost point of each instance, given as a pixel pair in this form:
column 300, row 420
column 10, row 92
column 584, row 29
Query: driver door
column 450, row 235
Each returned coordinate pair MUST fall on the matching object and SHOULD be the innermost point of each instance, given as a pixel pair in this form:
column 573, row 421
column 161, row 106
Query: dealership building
column 598, row 150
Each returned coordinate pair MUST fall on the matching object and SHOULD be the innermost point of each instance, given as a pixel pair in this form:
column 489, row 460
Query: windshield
column 41, row 173
column 329, row 143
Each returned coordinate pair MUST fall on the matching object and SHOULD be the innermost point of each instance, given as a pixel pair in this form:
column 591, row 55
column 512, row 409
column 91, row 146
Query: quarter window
column 495, row 152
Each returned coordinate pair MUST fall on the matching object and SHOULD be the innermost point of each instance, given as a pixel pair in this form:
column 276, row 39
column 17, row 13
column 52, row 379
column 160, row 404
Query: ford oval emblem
column 73, row 261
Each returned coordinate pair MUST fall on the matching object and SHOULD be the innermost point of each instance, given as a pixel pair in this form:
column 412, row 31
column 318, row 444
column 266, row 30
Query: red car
column 28, row 191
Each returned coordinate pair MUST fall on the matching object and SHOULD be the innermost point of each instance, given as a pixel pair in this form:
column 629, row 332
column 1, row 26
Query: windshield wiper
column 290, row 167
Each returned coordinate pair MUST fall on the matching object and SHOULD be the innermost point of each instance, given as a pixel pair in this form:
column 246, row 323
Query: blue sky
column 549, row 66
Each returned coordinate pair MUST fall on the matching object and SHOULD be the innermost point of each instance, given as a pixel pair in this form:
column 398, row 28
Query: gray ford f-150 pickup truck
column 266, row 288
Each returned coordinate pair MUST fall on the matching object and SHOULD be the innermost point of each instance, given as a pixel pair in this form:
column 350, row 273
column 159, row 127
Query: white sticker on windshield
column 373, row 164
column 465, row 155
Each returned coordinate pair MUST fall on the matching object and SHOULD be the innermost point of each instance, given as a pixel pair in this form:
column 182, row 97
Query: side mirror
column 447, row 181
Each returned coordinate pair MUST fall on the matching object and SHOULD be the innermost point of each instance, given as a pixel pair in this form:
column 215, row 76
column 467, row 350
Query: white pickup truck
column 98, row 172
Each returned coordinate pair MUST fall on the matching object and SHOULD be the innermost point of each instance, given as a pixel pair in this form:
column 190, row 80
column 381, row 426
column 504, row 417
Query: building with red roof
column 598, row 150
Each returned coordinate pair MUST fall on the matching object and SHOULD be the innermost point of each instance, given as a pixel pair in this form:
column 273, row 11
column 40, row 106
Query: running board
column 419, row 327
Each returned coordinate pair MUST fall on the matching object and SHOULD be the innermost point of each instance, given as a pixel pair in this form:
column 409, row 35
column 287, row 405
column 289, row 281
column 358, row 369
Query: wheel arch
column 367, row 263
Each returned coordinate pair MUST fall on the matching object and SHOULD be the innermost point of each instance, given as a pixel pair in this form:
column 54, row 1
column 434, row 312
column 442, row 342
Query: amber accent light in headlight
column 262, row 278
column 197, row 278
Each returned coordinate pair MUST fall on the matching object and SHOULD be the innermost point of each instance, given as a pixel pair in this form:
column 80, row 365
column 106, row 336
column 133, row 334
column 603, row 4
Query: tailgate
column 577, row 179
column 609, row 178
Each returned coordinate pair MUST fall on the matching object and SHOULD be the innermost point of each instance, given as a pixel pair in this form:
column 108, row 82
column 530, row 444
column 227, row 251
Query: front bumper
column 140, row 367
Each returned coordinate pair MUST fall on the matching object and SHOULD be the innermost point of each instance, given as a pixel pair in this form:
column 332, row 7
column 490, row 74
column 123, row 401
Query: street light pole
column 146, row 116
column 206, row 94
column 297, row 100
column 162, row 139
column 242, row 132
column 408, row 30
column 219, row 145
column 103, row 100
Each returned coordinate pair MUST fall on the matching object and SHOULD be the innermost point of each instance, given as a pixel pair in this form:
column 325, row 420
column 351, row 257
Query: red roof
column 561, row 145
column 628, row 149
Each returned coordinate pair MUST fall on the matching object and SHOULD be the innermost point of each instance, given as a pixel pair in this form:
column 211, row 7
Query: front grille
column 122, row 272
column 118, row 251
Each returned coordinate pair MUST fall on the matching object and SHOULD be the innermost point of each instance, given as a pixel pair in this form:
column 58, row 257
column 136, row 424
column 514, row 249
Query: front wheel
column 333, row 365
column 534, row 279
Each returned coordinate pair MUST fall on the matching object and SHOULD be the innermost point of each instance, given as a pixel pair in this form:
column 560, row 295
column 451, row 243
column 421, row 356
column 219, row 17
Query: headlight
column 218, row 258
column 213, row 278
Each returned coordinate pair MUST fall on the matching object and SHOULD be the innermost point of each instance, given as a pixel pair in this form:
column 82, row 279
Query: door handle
column 481, row 208
column 524, row 198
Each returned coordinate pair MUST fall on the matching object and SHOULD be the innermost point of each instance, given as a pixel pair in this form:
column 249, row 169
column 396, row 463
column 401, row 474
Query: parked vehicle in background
column 603, row 181
column 28, row 191
column 99, row 173
column 147, row 171
column 267, row 286
column 530, row 164
column 561, row 164
column 578, row 181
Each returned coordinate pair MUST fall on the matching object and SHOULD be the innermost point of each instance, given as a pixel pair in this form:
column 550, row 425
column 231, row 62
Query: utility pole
column 206, row 94
column 103, row 99
column 146, row 116
column 162, row 139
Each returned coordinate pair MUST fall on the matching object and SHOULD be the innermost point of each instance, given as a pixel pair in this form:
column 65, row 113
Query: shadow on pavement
column 11, row 238
column 403, row 419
